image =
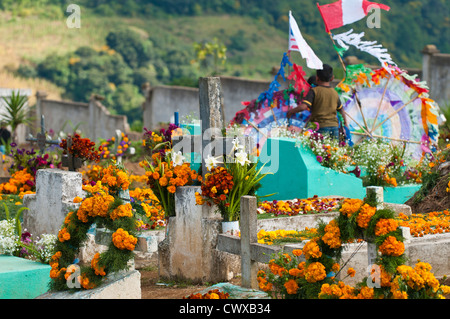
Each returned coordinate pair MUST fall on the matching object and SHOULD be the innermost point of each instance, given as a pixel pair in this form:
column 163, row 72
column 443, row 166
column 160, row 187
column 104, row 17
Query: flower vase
column 231, row 228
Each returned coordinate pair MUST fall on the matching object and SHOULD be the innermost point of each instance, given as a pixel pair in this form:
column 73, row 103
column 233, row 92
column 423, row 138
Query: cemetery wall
column 162, row 101
column 436, row 72
column 92, row 118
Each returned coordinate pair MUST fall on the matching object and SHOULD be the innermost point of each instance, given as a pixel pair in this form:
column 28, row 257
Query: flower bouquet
column 81, row 149
column 123, row 147
column 224, row 186
column 165, row 174
column 159, row 142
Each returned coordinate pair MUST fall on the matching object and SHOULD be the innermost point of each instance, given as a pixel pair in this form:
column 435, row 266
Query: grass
column 13, row 204
column 29, row 39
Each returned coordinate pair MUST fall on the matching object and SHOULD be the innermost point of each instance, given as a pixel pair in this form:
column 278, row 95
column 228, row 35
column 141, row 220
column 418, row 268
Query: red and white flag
column 343, row 12
column 298, row 43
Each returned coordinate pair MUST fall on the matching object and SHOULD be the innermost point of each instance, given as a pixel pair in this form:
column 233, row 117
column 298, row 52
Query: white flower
column 177, row 158
column 46, row 246
column 236, row 145
column 8, row 238
column 212, row 162
column 242, row 158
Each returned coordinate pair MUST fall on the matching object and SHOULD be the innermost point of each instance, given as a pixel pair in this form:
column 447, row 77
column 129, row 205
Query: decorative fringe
column 348, row 38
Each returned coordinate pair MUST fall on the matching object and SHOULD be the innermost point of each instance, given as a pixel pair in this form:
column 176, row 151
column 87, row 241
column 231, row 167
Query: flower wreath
column 315, row 278
column 103, row 207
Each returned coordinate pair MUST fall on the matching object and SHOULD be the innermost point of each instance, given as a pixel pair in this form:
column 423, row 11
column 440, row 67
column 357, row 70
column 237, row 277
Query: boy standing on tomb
column 324, row 103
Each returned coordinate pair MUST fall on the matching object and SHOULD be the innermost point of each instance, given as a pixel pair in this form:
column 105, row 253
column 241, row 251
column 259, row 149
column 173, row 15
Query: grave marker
column 55, row 191
column 41, row 138
column 68, row 160
column 211, row 142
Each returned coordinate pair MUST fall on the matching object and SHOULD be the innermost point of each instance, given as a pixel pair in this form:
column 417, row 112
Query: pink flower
column 319, row 158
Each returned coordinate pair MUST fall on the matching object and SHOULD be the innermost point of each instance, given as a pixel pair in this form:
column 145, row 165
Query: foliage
column 214, row 50
column 16, row 111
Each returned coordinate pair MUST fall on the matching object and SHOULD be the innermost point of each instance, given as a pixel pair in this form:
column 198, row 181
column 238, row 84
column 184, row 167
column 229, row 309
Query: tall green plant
column 16, row 112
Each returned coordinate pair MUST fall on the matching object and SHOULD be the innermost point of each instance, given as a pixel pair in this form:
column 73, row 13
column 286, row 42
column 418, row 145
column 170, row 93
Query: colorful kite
column 390, row 104
column 262, row 116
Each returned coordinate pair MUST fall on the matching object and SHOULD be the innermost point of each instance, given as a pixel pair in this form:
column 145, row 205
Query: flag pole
column 332, row 40
column 339, row 56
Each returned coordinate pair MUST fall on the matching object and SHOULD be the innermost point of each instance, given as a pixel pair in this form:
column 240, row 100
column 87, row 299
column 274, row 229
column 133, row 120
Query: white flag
column 297, row 43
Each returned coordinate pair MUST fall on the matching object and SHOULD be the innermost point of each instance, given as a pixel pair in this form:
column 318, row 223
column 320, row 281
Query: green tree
column 213, row 52
column 135, row 50
column 16, row 112
column 127, row 100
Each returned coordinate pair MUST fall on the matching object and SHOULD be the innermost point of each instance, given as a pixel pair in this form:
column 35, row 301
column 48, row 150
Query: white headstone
column 55, row 191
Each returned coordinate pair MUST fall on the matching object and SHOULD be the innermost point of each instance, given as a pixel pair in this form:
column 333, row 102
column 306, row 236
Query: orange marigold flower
column 311, row 250
column 385, row 226
column 63, row 235
column 350, row 206
column 291, row 287
column 123, row 240
column 297, row 252
column 351, row 272
column 122, row 211
column 94, row 265
column 172, row 189
column 315, row 272
column 295, row 272
column 392, row 247
column 365, row 215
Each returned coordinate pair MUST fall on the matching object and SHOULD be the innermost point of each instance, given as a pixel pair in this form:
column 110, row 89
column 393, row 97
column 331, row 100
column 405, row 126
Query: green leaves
column 16, row 111
column 18, row 225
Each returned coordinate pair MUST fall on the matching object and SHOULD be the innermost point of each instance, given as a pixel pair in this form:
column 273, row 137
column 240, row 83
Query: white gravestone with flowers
column 189, row 250
column 55, row 191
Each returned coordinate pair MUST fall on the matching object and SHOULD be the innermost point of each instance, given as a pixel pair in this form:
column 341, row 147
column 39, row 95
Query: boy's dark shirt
column 324, row 103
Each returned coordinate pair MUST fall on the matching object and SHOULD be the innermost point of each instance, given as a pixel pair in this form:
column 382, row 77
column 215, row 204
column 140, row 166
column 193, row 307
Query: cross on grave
column 116, row 145
column 41, row 138
column 68, row 160
column 211, row 142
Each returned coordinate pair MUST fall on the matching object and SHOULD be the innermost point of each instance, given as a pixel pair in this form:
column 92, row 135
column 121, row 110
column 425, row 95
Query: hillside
column 39, row 51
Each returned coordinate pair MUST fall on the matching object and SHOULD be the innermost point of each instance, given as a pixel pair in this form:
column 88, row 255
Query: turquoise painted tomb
column 22, row 278
column 296, row 173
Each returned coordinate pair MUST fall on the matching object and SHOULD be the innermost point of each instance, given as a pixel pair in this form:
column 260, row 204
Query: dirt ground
column 152, row 288
column 437, row 199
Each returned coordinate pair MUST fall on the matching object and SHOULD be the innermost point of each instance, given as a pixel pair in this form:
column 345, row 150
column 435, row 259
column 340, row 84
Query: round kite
column 388, row 103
